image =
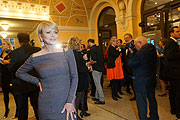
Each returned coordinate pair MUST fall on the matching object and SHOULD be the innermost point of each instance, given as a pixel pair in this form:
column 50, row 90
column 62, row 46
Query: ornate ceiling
column 67, row 12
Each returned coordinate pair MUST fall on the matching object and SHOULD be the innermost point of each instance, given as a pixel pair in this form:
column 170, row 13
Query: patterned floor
column 123, row 109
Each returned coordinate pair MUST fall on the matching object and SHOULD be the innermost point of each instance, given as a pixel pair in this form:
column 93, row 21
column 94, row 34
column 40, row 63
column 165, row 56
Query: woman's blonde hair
column 50, row 24
column 9, row 44
column 113, row 38
column 74, row 43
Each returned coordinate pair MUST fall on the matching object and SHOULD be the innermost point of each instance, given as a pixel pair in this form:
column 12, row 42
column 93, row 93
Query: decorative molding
column 73, row 29
column 22, row 10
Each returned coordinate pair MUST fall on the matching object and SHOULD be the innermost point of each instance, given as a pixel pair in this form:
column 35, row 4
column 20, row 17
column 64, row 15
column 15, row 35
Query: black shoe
column 114, row 98
column 162, row 95
column 84, row 114
column 133, row 99
column 118, row 96
column 6, row 114
column 121, row 93
column 95, row 99
column 78, row 118
column 100, row 102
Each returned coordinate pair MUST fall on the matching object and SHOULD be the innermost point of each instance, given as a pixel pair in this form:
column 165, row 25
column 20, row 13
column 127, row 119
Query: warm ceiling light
column 4, row 35
column 5, row 9
column 32, row 12
column 155, row 3
column 44, row 13
column 5, row 27
column 19, row 10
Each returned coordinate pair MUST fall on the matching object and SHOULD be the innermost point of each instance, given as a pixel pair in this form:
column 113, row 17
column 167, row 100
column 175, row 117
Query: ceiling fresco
column 67, row 12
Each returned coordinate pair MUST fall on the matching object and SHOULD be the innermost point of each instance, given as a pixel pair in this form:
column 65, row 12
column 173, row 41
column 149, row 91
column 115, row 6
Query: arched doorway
column 106, row 26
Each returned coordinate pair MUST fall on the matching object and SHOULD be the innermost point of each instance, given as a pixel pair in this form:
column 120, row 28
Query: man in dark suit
column 21, row 89
column 97, row 61
column 172, row 69
column 143, row 64
column 128, row 72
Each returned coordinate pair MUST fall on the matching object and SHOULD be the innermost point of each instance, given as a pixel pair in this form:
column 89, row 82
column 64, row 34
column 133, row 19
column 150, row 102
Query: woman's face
column 5, row 46
column 114, row 43
column 49, row 36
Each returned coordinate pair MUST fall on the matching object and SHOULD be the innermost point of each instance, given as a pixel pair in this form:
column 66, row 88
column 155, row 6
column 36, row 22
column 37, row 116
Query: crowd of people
column 57, row 80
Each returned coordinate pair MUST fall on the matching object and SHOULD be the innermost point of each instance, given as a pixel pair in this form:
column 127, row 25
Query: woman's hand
column 69, row 107
column 40, row 86
column 85, row 57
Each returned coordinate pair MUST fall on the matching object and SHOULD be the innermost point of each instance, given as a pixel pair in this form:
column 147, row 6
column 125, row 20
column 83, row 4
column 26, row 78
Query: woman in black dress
column 75, row 44
column 160, row 54
column 5, row 75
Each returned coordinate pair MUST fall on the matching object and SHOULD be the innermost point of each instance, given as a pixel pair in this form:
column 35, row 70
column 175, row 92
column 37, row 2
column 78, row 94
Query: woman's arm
column 73, row 74
column 22, row 72
column 113, row 52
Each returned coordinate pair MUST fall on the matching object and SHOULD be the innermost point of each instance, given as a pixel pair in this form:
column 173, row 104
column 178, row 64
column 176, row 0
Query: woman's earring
column 42, row 43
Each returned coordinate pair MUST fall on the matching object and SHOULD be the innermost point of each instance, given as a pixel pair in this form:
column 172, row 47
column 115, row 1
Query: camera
column 130, row 45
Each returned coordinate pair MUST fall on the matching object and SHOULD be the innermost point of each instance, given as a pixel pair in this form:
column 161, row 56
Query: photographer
column 143, row 64
column 128, row 73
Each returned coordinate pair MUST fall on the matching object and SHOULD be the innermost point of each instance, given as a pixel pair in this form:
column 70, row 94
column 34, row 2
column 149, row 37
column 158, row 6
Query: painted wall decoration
column 67, row 12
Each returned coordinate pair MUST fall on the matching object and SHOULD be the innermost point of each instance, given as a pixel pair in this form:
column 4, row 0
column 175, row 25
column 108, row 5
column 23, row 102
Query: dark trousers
column 120, row 84
column 6, row 91
column 129, row 82
column 80, row 101
column 114, row 87
column 141, row 101
column 85, row 100
column 174, row 97
column 21, row 100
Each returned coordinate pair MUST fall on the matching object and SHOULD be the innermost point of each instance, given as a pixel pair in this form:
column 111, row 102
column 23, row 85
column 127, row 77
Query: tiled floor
column 122, row 109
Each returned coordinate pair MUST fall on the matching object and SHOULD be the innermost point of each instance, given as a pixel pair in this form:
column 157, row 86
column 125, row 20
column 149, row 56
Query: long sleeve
column 135, row 61
column 93, row 55
column 12, row 67
column 172, row 51
column 23, row 74
column 112, row 52
column 73, row 74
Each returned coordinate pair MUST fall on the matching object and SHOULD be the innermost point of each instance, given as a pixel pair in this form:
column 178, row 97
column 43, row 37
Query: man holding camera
column 143, row 64
column 128, row 73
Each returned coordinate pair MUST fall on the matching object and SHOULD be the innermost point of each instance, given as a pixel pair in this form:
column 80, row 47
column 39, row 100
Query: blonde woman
column 75, row 44
column 5, row 74
column 114, row 68
column 58, row 76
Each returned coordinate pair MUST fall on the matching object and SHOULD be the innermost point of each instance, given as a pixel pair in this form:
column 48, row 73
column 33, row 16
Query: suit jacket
column 144, row 68
column 172, row 60
column 125, row 58
column 112, row 55
column 18, row 57
column 97, row 55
